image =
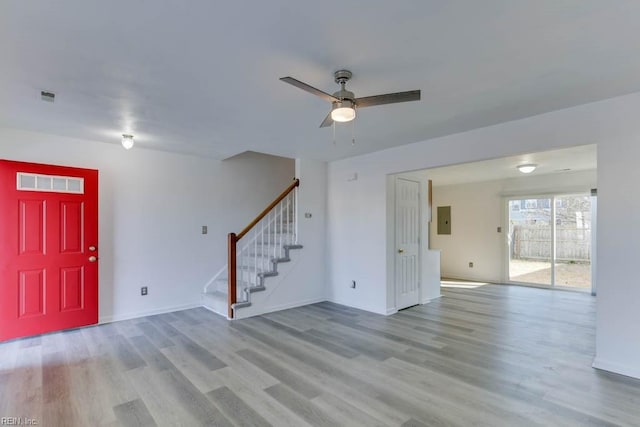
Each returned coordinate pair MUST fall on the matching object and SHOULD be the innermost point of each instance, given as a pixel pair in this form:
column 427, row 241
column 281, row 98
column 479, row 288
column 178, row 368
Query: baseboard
column 369, row 309
column 616, row 368
column 277, row 307
column 427, row 301
column 128, row 316
column 298, row 304
column 213, row 311
column 391, row 311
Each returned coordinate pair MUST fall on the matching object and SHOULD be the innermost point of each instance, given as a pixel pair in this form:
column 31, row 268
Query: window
column 57, row 184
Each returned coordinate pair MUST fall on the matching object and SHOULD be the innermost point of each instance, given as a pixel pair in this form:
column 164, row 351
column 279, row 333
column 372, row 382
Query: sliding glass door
column 531, row 241
column 550, row 241
column 573, row 241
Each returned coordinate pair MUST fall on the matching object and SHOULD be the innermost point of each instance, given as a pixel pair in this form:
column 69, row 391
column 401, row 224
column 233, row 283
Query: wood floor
column 494, row 355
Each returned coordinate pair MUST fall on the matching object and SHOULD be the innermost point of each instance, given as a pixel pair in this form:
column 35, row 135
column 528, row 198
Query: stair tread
column 268, row 274
column 294, row 246
column 241, row 304
column 251, row 268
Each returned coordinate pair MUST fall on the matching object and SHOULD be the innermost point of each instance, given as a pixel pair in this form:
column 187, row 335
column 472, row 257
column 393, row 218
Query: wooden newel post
column 232, row 240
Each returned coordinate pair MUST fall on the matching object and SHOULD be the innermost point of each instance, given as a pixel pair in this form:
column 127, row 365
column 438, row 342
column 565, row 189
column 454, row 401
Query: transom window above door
column 51, row 183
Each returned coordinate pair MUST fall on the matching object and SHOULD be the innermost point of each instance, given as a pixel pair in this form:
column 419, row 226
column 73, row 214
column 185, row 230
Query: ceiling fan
column 344, row 102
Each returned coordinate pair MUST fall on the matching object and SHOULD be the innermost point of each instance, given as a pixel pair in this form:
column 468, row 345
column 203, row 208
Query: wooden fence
column 534, row 242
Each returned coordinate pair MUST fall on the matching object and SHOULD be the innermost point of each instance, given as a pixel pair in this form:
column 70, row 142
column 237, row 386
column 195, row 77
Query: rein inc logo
column 18, row 421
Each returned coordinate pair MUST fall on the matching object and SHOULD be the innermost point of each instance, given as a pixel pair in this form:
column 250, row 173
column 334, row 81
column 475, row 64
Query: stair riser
column 274, row 238
column 267, row 247
column 250, row 279
column 223, row 285
column 263, row 262
column 215, row 304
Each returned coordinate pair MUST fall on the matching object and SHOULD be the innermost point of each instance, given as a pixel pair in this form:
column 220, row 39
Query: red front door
column 48, row 248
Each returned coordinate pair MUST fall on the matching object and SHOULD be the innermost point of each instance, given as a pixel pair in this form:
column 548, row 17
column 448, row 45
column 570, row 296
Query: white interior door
column 407, row 244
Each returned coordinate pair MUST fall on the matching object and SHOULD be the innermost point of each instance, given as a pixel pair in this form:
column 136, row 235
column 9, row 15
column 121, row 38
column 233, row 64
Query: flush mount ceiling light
column 528, row 168
column 343, row 111
column 127, row 141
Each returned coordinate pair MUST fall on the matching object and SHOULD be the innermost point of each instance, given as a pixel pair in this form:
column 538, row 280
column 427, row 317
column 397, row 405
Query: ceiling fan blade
column 389, row 98
column 328, row 121
column 310, row 89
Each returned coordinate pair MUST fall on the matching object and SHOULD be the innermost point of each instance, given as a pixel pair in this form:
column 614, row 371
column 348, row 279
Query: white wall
column 357, row 209
column 152, row 207
column 478, row 209
column 618, row 234
column 357, row 236
column 303, row 280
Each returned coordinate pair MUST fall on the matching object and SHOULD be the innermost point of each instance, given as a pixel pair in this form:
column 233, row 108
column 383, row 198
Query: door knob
column 400, row 251
column 93, row 258
column 92, row 248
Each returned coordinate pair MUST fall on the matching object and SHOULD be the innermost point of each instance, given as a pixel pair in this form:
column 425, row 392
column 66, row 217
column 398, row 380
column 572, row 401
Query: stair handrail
column 233, row 239
column 289, row 189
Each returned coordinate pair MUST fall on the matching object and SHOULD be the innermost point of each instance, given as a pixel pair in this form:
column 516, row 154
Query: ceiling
column 561, row 161
column 201, row 76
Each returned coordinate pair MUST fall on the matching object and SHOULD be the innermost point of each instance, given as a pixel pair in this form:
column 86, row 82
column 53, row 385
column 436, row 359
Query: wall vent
column 47, row 96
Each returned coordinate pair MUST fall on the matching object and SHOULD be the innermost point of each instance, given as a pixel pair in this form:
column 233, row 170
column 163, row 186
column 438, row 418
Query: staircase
column 267, row 242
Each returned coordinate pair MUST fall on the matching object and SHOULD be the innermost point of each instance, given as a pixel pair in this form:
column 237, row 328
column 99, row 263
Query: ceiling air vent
column 47, row 96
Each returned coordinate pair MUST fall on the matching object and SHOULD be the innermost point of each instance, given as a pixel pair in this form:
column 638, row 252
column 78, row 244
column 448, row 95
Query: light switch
column 307, row 215
column 204, row 229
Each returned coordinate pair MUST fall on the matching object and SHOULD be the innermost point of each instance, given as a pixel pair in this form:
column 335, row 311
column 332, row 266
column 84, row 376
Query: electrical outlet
column 205, row 230
column 143, row 291
column 499, row 229
column 353, row 284
column 470, row 264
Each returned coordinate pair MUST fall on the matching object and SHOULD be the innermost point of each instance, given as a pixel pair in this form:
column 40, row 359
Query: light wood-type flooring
column 494, row 356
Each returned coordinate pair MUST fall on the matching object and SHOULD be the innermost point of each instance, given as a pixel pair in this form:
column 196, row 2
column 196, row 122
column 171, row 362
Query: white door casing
column 407, row 243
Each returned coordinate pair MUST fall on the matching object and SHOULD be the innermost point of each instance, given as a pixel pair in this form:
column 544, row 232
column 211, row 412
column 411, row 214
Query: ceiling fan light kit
column 344, row 102
column 343, row 111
